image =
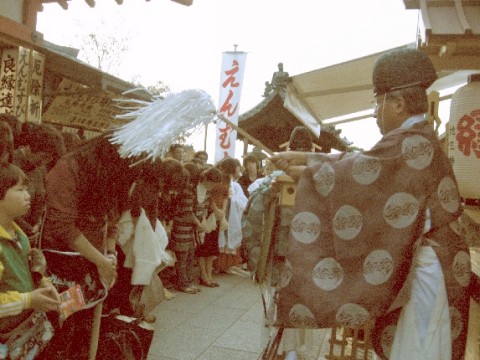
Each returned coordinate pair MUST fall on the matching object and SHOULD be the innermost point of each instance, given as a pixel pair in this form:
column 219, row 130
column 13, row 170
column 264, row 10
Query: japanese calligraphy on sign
column 91, row 110
column 35, row 87
column 8, row 80
column 21, row 86
column 233, row 66
column 21, row 83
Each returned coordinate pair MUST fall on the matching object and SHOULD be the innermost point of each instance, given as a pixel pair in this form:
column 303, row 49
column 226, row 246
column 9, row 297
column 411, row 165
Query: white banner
column 231, row 81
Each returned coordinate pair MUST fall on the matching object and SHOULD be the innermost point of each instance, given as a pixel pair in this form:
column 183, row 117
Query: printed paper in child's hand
column 72, row 301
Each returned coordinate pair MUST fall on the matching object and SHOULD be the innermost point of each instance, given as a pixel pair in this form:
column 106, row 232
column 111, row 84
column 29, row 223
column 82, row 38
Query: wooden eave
column 449, row 32
column 91, row 3
column 58, row 63
column 13, row 33
column 65, row 66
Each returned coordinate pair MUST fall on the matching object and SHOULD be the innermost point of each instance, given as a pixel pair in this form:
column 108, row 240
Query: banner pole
column 205, row 138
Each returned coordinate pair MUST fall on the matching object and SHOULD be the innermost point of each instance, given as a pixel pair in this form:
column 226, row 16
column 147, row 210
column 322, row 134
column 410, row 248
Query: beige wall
column 12, row 9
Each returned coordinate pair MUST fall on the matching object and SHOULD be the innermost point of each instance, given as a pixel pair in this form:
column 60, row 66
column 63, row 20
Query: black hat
column 402, row 68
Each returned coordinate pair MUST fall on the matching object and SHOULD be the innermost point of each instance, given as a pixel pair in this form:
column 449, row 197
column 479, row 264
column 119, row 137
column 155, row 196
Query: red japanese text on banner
column 231, row 81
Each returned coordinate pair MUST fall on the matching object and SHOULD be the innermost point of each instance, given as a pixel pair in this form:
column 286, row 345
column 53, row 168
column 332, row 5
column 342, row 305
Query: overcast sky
column 182, row 45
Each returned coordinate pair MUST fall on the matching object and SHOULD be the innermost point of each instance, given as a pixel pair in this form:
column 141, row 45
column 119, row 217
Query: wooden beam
column 30, row 10
column 456, row 62
column 415, row 4
column 16, row 34
column 246, row 135
column 467, row 29
column 349, row 89
column 63, row 4
column 184, row 2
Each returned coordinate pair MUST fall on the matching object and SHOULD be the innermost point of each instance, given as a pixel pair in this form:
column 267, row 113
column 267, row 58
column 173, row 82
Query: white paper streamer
column 156, row 125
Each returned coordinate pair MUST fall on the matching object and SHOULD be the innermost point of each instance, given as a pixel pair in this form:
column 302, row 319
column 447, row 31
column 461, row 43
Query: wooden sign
column 8, row 80
column 21, row 83
column 88, row 109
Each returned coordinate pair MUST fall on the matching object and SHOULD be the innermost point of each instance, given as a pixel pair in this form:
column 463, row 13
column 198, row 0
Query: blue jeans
column 184, row 267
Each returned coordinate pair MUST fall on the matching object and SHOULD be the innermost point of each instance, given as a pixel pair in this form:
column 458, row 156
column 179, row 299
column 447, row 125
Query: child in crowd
column 250, row 165
column 183, row 232
column 230, row 239
column 23, row 301
column 207, row 247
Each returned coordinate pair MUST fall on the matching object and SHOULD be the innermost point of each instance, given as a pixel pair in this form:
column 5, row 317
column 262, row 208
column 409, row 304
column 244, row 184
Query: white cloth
column 296, row 339
column 238, row 201
column 423, row 330
column 144, row 248
column 256, row 184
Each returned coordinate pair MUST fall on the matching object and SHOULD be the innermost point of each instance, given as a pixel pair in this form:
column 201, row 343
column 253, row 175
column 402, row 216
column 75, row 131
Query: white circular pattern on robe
column 286, row 275
column 378, row 267
column 461, row 268
column 305, row 227
column 352, row 315
column 400, row 210
column 324, row 179
column 300, row 316
column 448, row 195
column 386, row 339
column 417, row 151
column 456, row 322
column 347, row 222
column 328, row 274
column 366, row 169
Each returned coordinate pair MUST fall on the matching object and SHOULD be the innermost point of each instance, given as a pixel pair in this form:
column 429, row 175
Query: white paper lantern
column 464, row 137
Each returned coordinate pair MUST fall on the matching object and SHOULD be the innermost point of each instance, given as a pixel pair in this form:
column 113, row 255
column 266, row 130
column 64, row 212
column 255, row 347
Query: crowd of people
column 151, row 227
column 386, row 218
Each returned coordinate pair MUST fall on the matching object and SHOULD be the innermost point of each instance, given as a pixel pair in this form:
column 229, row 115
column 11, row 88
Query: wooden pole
column 205, row 138
column 95, row 334
column 245, row 147
column 246, row 135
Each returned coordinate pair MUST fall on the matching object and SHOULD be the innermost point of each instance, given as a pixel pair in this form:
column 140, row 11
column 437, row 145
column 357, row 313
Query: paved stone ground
column 216, row 324
column 224, row 323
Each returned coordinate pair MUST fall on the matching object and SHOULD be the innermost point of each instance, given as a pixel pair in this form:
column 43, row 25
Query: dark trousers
column 184, row 267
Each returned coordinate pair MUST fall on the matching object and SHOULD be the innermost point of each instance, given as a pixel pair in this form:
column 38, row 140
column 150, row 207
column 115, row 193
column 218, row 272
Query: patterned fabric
column 66, row 269
column 28, row 339
column 357, row 220
column 253, row 227
column 183, row 225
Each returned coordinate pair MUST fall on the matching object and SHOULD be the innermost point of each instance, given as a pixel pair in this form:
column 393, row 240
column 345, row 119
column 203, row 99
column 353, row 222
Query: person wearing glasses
column 374, row 234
